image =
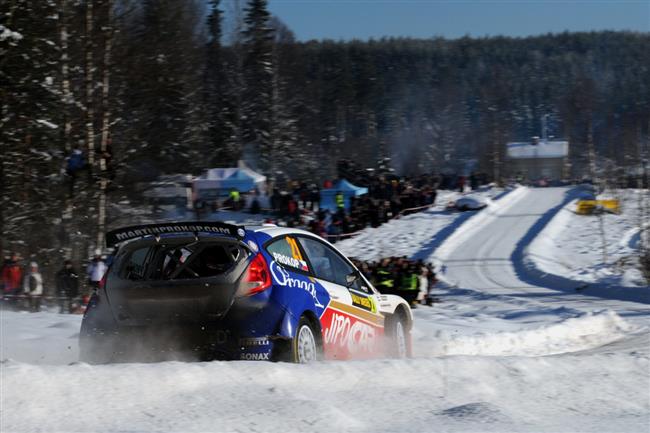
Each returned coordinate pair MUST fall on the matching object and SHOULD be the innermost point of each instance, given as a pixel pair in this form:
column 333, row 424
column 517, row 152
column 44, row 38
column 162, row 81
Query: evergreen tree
column 163, row 86
column 220, row 100
column 257, row 109
column 30, row 150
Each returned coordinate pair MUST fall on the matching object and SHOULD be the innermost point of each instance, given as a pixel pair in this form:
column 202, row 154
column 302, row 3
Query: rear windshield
column 180, row 261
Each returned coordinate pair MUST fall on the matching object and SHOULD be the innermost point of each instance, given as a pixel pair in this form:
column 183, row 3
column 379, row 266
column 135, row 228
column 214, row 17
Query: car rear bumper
column 248, row 332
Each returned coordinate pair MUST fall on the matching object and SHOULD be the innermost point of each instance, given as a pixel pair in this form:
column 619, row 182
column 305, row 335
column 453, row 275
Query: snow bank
column 559, row 394
column 571, row 245
column 571, row 335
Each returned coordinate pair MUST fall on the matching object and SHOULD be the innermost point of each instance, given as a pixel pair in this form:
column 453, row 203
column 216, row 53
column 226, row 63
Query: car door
column 351, row 325
column 290, row 269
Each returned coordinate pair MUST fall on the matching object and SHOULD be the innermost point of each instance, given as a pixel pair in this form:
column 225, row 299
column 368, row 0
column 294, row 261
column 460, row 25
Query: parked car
column 209, row 290
column 470, row 202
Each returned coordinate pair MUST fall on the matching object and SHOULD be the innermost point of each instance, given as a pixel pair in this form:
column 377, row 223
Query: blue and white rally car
column 210, row 290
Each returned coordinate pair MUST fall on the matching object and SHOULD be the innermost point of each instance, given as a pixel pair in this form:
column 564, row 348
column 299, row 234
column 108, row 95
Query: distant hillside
column 431, row 102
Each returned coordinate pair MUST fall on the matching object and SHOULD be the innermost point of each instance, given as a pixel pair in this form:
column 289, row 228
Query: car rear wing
column 212, row 227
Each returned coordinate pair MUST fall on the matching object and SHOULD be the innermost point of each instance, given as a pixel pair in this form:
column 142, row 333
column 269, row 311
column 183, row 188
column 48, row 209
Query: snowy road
column 481, row 259
column 487, row 256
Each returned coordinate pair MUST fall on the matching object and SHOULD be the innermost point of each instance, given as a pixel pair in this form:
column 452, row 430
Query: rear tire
column 398, row 337
column 306, row 347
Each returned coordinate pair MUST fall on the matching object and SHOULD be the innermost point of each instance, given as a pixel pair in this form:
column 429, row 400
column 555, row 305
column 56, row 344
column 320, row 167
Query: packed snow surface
column 502, row 352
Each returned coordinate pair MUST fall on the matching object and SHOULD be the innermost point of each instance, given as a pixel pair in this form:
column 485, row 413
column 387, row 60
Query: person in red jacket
column 12, row 277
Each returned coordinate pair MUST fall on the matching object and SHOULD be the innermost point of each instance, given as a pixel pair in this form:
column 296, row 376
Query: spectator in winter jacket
column 33, row 287
column 12, row 277
column 340, row 201
column 314, row 197
column 74, row 164
column 67, row 287
column 461, row 183
column 423, row 283
column 96, row 270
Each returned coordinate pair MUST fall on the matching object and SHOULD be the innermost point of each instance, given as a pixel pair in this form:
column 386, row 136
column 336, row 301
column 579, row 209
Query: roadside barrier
column 403, row 212
column 411, row 210
column 587, row 207
column 48, row 297
column 22, row 302
column 344, row 235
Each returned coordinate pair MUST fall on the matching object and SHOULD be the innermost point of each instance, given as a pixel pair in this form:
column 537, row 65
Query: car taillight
column 258, row 277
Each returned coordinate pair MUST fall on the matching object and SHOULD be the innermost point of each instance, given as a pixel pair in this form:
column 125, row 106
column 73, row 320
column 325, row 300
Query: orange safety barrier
column 587, row 207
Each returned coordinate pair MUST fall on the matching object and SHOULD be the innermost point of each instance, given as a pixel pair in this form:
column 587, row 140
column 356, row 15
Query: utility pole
column 496, row 155
column 591, row 151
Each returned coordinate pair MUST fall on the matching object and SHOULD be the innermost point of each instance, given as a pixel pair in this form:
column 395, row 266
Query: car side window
column 136, row 265
column 327, row 264
column 285, row 251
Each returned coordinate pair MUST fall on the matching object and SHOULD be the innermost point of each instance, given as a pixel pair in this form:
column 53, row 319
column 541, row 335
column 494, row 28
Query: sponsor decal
column 254, row 356
column 364, row 302
column 159, row 229
column 295, row 251
column 282, row 277
column 290, row 261
column 353, row 335
column 253, row 342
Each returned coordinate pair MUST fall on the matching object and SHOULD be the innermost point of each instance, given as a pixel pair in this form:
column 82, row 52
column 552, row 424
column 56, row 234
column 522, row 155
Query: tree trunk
column 65, row 76
column 90, row 112
column 106, row 118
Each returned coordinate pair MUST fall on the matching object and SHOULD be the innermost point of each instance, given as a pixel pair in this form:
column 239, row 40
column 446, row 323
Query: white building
column 538, row 159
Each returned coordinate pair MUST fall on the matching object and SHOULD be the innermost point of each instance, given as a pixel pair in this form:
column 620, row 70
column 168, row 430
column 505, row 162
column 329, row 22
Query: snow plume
column 580, row 333
column 6, row 33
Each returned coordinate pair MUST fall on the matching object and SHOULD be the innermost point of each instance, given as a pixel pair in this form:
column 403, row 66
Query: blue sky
column 363, row 19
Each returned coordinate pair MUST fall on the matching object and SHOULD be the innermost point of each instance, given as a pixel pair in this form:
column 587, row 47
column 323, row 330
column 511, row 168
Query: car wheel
column 306, row 344
column 398, row 340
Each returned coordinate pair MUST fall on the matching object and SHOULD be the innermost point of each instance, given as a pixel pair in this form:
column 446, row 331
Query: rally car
column 210, row 290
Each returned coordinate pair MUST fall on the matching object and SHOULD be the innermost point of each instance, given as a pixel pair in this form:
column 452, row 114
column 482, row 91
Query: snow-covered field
column 502, row 352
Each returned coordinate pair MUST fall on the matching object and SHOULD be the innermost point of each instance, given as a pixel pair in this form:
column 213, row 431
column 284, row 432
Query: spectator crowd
column 22, row 284
column 389, row 196
column 413, row 280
